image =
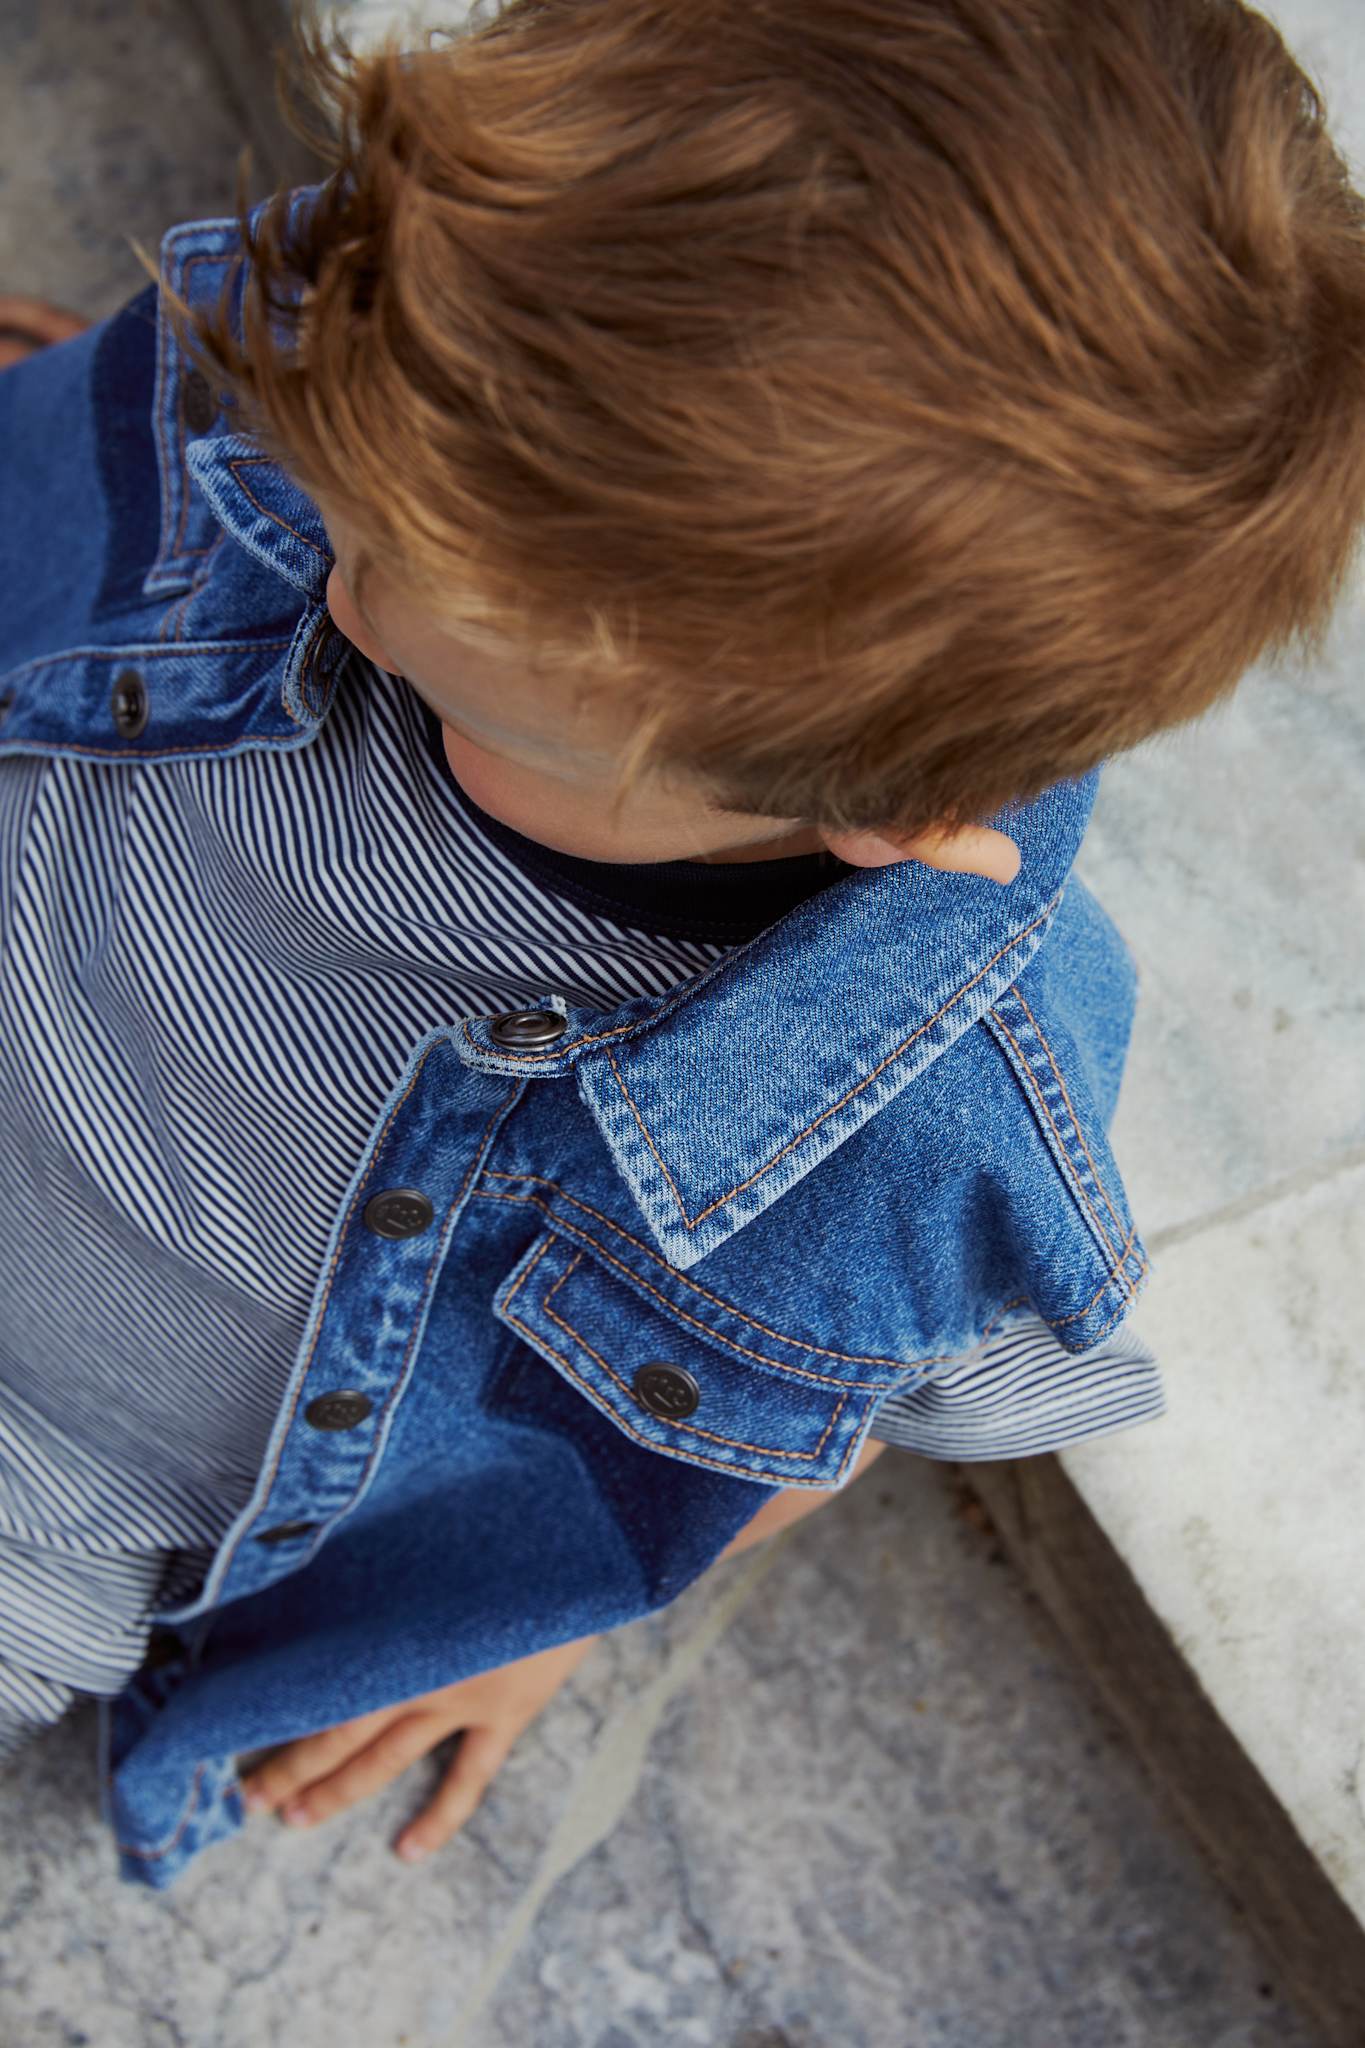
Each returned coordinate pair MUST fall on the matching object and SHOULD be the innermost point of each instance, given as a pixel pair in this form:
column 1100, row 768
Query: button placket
column 362, row 1356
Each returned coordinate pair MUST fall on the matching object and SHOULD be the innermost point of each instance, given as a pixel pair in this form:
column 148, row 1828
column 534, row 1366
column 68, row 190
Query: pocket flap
column 675, row 1385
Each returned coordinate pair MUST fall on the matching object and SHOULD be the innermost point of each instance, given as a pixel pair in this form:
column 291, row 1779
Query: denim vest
column 608, row 1280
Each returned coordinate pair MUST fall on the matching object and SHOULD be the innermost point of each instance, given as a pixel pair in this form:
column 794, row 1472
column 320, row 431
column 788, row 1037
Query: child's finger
column 481, row 1755
column 313, row 1756
column 378, row 1764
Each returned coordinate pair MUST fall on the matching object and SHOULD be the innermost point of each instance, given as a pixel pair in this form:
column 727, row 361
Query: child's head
column 855, row 417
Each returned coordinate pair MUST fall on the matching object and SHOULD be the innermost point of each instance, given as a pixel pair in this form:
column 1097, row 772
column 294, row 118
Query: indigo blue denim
column 810, row 1175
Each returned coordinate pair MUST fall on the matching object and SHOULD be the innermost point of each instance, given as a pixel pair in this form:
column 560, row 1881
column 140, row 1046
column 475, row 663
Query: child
column 547, row 720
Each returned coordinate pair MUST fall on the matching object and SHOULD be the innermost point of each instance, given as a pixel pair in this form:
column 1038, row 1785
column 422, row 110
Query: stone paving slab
column 1240, row 1512
column 1232, row 857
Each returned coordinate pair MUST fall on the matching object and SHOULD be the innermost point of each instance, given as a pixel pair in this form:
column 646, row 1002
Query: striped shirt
column 213, row 971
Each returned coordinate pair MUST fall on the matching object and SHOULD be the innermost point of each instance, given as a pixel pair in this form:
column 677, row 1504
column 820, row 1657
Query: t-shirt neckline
column 721, row 903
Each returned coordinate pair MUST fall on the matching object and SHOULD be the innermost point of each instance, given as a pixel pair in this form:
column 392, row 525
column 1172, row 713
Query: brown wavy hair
column 900, row 405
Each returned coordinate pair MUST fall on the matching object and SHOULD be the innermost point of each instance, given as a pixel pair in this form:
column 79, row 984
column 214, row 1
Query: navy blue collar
column 720, row 903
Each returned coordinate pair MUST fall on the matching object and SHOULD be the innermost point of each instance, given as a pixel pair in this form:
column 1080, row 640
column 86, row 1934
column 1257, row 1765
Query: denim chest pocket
column 692, row 1378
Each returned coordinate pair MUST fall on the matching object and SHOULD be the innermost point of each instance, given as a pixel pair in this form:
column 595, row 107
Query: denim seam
column 760, row 1358
column 176, row 604
column 1078, row 1180
column 1115, row 1273
column 559, row 1224
column 309, row 663
column 237, row 463
column 797, row 1343
column 693, row 1429
column 1071, row 1111
column 178, row 550
column 1030, row 1081
column 1120, row 1312
column 140, row 650
column 692, row 1457
column 179, row 606
column 167, row 361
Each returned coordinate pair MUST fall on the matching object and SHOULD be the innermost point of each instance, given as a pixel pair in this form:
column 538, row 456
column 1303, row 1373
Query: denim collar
column 264, row 510
column 719, row 1095
column 716, row 1096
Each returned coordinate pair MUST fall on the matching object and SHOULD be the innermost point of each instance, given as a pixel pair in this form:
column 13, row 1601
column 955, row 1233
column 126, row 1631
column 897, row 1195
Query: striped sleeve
column 1021, row 1393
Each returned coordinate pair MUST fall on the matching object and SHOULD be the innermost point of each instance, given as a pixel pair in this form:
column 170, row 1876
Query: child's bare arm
column 312, row 1779
column 795, row 1503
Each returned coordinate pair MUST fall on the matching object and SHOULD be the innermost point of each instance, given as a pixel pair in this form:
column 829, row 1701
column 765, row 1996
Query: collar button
column 528, row 1027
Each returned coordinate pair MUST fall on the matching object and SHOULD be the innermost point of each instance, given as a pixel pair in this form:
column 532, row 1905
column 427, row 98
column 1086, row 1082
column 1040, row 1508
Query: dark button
column 528, row 1027
column 398, row 1212
column 342, row 1410
column 129, row 703
column 200, row 410
column 6, row 704
column 284, row 1532
column 666, row 1390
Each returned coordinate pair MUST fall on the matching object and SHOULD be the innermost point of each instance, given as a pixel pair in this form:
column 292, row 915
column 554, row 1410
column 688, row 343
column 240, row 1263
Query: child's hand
column 30, row 324
column 314, row 1778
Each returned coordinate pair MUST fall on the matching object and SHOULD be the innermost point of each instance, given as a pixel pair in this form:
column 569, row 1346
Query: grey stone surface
column 117, row 123
column 885, row 1815
column 879, row 1808
column 880, row 1812
column 1239, row 1512
column 1232, row 857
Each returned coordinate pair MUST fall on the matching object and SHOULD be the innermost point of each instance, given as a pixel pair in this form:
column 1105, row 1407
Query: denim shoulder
column 1054, row 1044
column 987, row 1187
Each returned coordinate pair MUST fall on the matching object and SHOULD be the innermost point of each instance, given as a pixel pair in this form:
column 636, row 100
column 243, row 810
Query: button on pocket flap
column 670, row 1382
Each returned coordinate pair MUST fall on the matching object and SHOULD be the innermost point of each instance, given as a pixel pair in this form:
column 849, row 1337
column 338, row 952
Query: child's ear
column 967, row 850
column 347, row 619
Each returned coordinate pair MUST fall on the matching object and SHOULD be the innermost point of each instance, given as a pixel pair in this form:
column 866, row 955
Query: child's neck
column 787, row 847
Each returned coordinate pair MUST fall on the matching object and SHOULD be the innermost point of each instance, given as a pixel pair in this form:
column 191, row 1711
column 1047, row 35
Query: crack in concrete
column 609, row 1779
column 1297, row 1183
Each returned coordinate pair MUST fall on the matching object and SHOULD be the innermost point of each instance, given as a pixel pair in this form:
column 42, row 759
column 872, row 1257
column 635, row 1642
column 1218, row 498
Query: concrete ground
column 849, row 1792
